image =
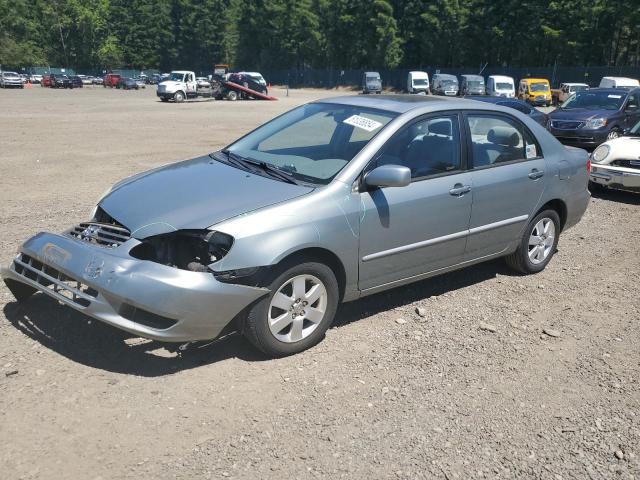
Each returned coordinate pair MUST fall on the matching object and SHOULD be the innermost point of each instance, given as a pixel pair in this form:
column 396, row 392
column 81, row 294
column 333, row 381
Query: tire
column 614, row 133
column 178, row 97
column 289, row 339
column 232, row 95
column 521, row 260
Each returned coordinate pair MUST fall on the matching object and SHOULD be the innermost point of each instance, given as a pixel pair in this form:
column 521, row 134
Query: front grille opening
column 103, row 230
column 627, row 163
column 54, row 280
column 145, row 318
column 103, row 235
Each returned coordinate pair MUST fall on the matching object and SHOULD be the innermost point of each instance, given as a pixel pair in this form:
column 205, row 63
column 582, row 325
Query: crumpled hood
column 582, row 114
column 193, row 194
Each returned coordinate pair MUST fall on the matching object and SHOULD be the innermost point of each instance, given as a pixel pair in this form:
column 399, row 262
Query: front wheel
column 538, row 244
column 613, row 134
column 297, row 312
column 178, row 97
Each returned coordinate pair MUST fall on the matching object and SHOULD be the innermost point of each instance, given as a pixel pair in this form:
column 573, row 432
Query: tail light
column 589, row 164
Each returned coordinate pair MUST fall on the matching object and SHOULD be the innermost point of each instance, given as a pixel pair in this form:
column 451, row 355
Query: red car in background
column 46, row 81
column 111, row 80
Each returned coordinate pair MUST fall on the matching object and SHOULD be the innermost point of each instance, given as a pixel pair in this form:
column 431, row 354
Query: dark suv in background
column 591, row 117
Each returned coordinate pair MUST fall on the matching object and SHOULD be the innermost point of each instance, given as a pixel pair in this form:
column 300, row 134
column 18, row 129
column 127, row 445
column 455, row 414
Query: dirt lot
column 430, row 397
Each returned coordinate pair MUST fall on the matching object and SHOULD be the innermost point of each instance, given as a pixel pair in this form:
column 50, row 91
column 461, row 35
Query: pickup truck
column 180, row 85
column 560, row 95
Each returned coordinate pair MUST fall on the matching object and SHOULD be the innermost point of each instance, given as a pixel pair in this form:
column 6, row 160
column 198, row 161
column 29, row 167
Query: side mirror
column 388, row 176
column 631, row 108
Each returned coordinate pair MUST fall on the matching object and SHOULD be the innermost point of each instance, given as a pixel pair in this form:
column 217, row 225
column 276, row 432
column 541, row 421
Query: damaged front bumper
column 147, row 299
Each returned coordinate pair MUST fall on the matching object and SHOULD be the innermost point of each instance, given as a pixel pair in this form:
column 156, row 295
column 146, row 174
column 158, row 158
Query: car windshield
column 10, row 75
column 372, row 78
column 578, row 88
column 257, row 78
column 539, row 87
column 176, row 77
column 475, row 83
column 420, row 82
column 503, row 86
column 314, row 142
column 594, row 101
column 449, row 83
column 635, row 130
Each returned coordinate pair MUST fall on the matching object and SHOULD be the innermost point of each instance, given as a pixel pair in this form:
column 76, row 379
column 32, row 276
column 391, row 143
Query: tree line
column 339, row 34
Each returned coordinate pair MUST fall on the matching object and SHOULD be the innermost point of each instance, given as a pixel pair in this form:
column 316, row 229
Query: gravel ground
column 499, row 376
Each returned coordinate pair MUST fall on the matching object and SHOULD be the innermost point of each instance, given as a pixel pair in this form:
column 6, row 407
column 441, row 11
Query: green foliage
column 265, row 34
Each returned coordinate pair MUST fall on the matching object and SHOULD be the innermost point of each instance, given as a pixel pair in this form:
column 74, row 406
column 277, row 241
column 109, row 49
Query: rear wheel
column 232, row 95
column 297, row 312
column 538, row 244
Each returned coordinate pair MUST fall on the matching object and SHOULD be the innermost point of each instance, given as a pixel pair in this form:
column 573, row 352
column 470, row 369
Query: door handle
column 536, row 174
column 458, row 190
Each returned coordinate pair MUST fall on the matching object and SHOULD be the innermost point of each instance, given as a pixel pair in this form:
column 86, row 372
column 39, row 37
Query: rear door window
column 498, row 139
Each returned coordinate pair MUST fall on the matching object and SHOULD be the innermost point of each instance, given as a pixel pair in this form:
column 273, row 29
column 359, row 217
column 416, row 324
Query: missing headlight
column 190, row 250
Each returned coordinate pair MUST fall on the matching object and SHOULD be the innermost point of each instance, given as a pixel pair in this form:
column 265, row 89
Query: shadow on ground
column 620, row 196
column 98, row 345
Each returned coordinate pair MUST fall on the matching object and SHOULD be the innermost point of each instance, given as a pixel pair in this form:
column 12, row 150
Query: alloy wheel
column 613, row 134
column 297, row 308
column 541, row 241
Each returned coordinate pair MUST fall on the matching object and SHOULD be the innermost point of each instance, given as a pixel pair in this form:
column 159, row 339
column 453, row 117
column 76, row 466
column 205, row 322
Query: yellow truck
column 536, row 91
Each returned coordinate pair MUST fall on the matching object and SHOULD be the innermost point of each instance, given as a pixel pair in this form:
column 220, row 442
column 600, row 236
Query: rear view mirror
column 388, row 176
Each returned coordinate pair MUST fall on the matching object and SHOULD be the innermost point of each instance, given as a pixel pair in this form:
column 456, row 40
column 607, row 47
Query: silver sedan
column 330, row 202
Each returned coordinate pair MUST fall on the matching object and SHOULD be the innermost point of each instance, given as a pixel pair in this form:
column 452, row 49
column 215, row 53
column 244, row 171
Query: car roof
column 501, row 77
column 616, row 91
column 491, row 99
column 620, row 78
column 535, row 80
column 401, row 103
column 574, row 83
column 471, row 76
column 444, row 75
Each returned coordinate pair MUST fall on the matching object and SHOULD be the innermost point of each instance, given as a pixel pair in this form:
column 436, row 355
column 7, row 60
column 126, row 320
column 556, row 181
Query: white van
column 619, row 82
column 418, row 82
column 501, row 86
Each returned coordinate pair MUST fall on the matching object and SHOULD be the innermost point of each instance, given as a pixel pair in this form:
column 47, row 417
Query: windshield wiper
column 272, row 170
column 232, row 158
column 250, row 163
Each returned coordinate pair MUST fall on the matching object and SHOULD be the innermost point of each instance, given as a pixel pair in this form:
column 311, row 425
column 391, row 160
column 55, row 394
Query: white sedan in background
column 616, row 163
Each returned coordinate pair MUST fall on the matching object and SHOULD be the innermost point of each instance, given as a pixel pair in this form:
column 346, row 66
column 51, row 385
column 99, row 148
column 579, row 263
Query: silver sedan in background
column 330, row 202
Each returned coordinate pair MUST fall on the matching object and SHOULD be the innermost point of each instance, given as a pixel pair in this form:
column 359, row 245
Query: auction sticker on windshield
column 363, row 123
column 615, row 96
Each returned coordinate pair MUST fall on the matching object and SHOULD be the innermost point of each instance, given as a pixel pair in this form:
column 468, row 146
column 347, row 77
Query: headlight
column 600, row 153
column 595, row 123
column 190, row 250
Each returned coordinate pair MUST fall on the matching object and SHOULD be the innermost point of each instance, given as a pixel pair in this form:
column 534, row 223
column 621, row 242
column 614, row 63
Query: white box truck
column 418, row 82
